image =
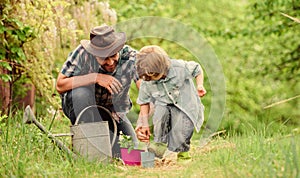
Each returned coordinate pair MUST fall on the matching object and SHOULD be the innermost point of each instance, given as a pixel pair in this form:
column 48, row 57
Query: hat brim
column 105, row 52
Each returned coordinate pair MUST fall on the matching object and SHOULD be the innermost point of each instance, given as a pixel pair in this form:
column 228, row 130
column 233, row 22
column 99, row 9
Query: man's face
column 110, row 63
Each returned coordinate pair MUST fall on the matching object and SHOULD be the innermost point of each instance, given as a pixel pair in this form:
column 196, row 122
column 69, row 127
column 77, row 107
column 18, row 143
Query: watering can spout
column 28, row 115
column 29, row 118
column 89, row 139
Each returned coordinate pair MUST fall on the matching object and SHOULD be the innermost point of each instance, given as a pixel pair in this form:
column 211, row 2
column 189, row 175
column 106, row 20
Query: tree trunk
column 29, row 98
column 5, row 94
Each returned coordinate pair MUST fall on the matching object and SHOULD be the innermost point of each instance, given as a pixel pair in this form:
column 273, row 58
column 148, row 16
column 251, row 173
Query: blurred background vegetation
column 256, row 44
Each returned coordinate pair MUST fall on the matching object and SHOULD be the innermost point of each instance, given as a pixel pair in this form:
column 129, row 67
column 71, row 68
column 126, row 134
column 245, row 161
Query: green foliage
column 3, row 119
column 13, row 34
column 58, row 27
column 249, row 59
column 47, row 30
column 126, row 141
column 278, row 36
column 268, row 45
column 47, row 22
column 257, row 47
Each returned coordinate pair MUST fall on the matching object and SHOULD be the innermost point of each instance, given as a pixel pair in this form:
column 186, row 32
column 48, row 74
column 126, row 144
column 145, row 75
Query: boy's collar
column 170, row 74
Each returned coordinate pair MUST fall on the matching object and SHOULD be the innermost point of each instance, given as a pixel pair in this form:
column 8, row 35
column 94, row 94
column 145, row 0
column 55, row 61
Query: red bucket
column 133, row 158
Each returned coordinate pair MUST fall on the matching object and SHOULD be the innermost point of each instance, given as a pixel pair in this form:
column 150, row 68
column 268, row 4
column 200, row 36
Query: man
column 99, row 72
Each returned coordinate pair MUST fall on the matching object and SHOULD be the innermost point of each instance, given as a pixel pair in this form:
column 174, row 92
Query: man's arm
column 65, row 83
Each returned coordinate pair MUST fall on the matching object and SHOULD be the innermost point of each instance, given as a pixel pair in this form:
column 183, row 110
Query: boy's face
column 154, row 76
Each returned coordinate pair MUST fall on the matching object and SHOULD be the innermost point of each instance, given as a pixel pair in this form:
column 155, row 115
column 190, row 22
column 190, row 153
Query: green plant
column 126, row 141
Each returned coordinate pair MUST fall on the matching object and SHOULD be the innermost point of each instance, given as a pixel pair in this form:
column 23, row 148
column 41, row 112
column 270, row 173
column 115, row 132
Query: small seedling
column 126, row 141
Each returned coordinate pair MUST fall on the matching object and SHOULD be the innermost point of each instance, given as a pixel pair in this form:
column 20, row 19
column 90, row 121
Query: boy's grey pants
column 172, row 126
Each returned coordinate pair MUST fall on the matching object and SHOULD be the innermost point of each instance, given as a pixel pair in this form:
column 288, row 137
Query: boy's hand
column 143, row 133
column 201, row 90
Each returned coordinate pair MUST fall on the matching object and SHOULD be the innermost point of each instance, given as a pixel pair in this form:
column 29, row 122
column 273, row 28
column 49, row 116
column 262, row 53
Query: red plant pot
column 133, row 158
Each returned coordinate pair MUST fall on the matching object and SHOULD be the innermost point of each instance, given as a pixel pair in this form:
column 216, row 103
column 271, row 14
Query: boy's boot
column 184, row 157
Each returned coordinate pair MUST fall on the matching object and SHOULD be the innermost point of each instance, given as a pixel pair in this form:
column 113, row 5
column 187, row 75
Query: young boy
column 168, row 83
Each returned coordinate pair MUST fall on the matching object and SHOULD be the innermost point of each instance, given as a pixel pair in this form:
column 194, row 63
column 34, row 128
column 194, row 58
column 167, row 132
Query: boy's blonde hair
column 152, row 60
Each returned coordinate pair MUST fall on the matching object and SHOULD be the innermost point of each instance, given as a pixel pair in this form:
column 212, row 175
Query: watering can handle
column 107, row 111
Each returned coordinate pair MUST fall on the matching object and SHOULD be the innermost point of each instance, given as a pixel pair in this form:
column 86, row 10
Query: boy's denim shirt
column 176, row 89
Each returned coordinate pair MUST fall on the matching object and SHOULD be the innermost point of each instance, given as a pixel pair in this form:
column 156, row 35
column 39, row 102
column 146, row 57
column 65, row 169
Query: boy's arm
column 138, row 83
column 200, row 87
column 197, row 72
column 142, row 127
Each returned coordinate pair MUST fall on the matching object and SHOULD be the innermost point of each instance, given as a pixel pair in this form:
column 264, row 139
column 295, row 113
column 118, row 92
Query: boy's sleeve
column 144, row 96
column 193, row 68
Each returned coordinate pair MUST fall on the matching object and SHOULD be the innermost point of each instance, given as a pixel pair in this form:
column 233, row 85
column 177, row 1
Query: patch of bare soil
column 169, row 161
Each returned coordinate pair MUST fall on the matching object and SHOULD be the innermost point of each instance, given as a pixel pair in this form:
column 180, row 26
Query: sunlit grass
column 26, row 152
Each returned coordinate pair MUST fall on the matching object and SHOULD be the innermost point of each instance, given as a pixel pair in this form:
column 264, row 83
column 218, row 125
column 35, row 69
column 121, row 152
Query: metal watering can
column 91, row 140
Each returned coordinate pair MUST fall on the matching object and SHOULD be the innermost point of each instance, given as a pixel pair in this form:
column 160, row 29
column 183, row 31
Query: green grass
column 26, row 152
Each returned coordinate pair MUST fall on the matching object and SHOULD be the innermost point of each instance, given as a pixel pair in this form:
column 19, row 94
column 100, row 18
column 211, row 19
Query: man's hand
column 109, row 82
column 143, row 133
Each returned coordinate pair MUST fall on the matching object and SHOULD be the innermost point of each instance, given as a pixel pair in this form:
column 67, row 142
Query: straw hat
column 104, row 41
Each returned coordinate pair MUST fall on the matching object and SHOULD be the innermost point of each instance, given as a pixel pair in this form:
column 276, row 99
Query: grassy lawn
column 26, row 152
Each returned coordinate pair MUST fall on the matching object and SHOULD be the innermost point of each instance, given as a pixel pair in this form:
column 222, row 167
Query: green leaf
column 17, row 22
column 5, row 77
column 6, row 65
column 20, row 54
column 27, row 31
column 14, row 49
column 2, row 29
column 2, row 53
column 21, row 36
